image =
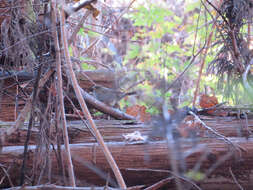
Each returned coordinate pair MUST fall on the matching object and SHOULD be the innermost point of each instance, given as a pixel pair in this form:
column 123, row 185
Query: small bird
column 109, row 96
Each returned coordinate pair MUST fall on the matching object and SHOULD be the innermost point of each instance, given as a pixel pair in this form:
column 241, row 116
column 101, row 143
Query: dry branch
column 5, row 133
column 209, row 40
column 60, row 95
column 85, row 110
column 77, row 28
column 117, row 114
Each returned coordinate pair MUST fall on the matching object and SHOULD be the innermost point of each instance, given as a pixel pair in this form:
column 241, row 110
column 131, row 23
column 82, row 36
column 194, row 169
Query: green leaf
column 70, row 51
column 191, row 6
column 152, row 111
column 92, row 34
column 133, row 52
column 98, row 113
column 81, row 32
column 87, row 66
column 197, row 176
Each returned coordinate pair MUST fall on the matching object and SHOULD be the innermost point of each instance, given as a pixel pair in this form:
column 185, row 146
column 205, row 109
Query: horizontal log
column 8, row 102
column 56, row 187
column 144, row 163
column 113, row 130
column 102, row 75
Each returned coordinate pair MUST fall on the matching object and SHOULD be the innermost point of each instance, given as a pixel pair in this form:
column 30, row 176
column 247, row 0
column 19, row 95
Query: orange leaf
column 206, row 101
column 139, row 112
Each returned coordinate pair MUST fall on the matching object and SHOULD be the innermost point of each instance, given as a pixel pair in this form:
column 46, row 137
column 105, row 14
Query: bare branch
column 85, row 110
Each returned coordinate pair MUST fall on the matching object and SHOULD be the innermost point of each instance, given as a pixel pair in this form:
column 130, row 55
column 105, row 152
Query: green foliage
column 196, row 176
column 98, row 113
column 85, row 65
column 150, row 15
column 152, row 110
column 191, row 6
column 166, row 46
column 81, row 32
column 70, row 51
column 133, row 52
column 168, row 59
column 87, row 31
column 163, row 59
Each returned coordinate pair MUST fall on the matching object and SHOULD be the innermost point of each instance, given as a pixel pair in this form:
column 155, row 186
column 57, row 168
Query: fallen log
column 143, row 163
column 56, row 187
column 113, row 130
column 102, row 77
column 9, row 108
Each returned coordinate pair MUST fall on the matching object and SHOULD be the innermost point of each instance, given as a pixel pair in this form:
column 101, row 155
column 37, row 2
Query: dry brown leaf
column 139, row 112
column 207, row 101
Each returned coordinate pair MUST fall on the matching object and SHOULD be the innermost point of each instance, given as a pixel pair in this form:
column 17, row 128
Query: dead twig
column 105, row 108
column 218, row 163
column 217, row 106
column 85, row 110
column 23, row 114
column 77, row 28
column 237, row 147
column 6, row 174
column 185, row 69
column 245, row 81
column 60, row 94
column 202, row 62
column 235, row 180
column 79, row 115
column 159, row 184
column 166, row 171
column 68, row 10
column 92, row 62
column 108, row 29
column 30, row 125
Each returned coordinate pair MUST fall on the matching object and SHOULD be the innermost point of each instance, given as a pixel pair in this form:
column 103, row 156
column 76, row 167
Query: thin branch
column 249, row 30
column 60, row 94
column 77, row 28
column 166, row 171
column 218, row 11
column 245, row 81
column 79, row 115
column 217, row 106
column 85, row 110
column 235, row 51
column 30, row 125
column 202, row 62
column 109, row 28
column 159, row 184
column 59, row 142
column 196, row 32
column 68, row 10
column 23, row 40
column 116, row 113
column 185, row 69
column 235, row 180
column 6, row 174
column 92, row 62
column 218, row 163
column 23, row 114
column 216, row 133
